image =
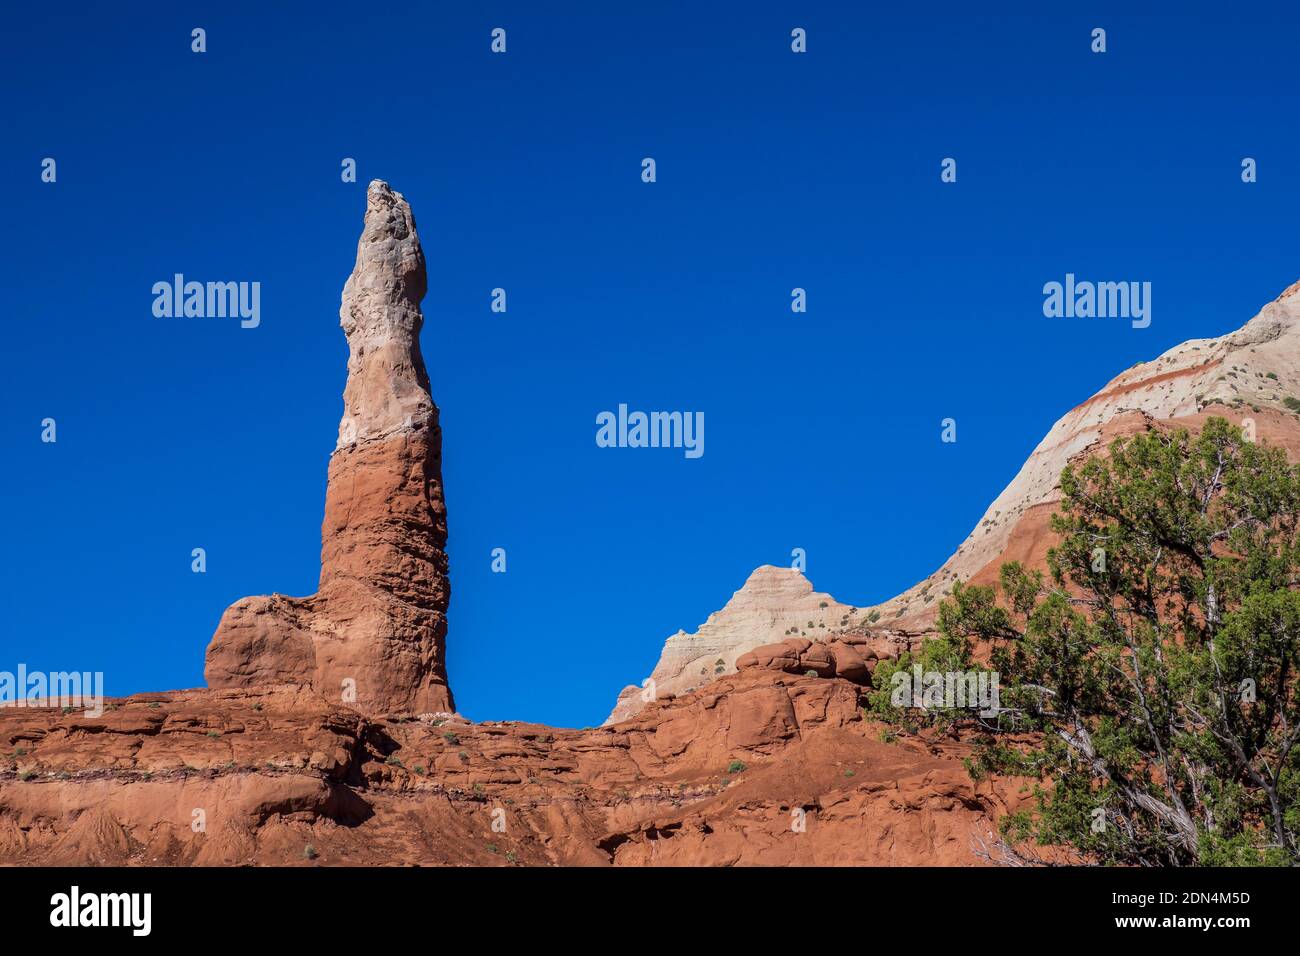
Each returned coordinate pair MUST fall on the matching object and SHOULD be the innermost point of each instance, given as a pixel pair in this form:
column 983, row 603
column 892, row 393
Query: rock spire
column 374, row 633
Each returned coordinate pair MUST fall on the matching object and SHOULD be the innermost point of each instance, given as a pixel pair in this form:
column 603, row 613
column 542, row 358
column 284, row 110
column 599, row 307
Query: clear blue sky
column 775, row 170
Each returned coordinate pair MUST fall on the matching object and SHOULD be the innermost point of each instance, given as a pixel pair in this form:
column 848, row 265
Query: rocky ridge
column 763, row 768
column 1252, row 373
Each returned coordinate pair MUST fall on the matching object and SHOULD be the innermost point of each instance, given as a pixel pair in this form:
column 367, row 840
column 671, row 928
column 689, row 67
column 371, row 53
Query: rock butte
column 755, row 751
column 376, row 627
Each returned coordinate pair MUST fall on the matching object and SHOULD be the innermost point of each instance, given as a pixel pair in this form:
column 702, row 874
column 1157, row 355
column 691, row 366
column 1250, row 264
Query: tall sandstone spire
column 378, row 622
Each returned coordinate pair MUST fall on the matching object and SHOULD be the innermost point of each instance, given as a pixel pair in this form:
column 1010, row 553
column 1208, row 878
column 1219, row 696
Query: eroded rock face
column 846, row 656
column 761, row 767
column 775, row 603
column 377, row 625
column 1246, row 374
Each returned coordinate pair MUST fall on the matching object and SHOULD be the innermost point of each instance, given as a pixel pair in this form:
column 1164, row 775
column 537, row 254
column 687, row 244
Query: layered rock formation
column 753, row 749
column 373, row 635
column 761, row 768
column 1247, row 374
column 846, row 656
column 773, row 604
column 277, row 763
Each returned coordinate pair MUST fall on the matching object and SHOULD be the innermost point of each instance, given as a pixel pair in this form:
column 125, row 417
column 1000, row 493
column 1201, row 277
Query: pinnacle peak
column 771, row 575
column 384, row 511
column 386, row 205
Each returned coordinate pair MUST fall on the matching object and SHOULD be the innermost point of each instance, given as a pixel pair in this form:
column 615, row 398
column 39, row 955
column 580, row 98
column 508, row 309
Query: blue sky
column 775, row 171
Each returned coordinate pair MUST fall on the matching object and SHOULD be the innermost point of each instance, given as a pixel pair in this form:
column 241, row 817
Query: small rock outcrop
column 373, row 635
column 775, row 603
column 845, row 656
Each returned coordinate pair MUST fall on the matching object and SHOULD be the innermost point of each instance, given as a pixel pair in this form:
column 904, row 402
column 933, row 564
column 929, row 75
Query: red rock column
column 378, row 622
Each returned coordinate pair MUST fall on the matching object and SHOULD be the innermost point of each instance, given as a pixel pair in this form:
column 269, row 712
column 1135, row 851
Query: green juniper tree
column 1149, row 679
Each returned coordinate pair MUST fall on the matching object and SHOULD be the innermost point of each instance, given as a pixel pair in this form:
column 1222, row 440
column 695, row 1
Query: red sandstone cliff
column 765, row 768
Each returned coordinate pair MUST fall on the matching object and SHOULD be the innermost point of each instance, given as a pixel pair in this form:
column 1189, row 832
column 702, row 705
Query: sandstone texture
column 1247, row 374
column 773, row 604
column 760, row 768
column 374, row 632
column 847, row 656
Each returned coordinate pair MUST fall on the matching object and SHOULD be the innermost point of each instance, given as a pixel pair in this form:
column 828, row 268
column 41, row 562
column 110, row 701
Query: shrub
column 1130, row 685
